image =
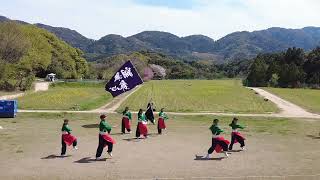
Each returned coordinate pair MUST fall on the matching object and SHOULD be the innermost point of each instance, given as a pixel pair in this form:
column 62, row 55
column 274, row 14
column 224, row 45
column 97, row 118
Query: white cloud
column 215, row 18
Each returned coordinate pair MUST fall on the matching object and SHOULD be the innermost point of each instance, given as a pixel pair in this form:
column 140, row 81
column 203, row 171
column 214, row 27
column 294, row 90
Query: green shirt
column 142, row 117
column 215, row 130
column 65, row 127
column 163, row 115
column 127, row 114
column 235, row 126
column 104, row 126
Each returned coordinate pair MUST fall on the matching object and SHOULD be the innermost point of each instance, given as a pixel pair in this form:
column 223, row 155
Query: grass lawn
column 306, row 98
column 66, row 96
column 199, row 96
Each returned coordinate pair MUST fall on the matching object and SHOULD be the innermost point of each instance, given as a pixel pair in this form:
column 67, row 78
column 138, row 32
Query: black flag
column 149, row 112
column 125, row 79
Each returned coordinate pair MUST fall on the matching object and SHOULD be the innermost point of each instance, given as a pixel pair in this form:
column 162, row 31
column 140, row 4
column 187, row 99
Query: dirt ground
column 30, row 148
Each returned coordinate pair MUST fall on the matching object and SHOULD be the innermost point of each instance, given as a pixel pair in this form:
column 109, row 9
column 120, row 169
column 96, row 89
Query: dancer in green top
column 104, row 138
column 235, row 135
column 161, row 121
column 104, row 126
column 126, row 118
column 218, row 142
column 67, row 138
column 142, row 128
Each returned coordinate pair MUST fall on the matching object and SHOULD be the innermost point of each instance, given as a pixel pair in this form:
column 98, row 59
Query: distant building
column 51, row 77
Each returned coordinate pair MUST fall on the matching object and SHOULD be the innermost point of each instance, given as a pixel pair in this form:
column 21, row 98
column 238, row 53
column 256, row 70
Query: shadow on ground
column 313, row 136
column 235, row 150
column 116, row 134
column 133, row 139
column 153, row 134
column 201, row 158
column 89, row 160
column 90, row 126
column 53, row 156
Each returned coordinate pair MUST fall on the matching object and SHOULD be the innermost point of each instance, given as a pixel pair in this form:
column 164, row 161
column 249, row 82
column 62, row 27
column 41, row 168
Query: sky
column 214, row 18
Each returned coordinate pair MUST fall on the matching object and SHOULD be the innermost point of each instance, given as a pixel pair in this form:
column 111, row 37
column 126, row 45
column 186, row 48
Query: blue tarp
column 8, row 108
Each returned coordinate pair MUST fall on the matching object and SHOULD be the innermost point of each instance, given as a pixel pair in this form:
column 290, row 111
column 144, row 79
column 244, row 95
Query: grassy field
column 306, row 98
column 66, row 96
column 199, row 96
column 30, row 146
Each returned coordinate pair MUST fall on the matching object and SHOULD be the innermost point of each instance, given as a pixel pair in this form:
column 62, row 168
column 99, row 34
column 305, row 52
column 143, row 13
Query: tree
column 291, row 76
column 294, row 55
column 27, row 51
column 312, row 66
column 13, row 43
column 159, row 71
column 273, row 82
column 257, row 75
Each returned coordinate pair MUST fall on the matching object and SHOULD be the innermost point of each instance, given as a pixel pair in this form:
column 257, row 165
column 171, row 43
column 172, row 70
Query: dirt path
column 287, row 108
column 12, row 96
column 41, row 86
column 112, row 106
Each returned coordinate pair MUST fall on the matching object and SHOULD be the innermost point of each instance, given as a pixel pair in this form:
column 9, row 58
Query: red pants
column 125, row 125
column 218, row 144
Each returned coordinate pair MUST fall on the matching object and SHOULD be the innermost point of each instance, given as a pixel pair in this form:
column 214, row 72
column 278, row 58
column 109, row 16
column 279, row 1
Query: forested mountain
column 72, row 37
column 248, row 44
column 115, row 44
column 200, row 43
column 156, row 41
column 2, row 19
column 235, row 46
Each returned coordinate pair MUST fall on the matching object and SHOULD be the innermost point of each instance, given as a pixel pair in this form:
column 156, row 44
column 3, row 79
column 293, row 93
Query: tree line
column 293, row 68
column 155, row 63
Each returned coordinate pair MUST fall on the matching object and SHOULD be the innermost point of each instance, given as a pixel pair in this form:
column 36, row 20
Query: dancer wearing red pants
column 161, row 121
column 126, row 121
column 218, row 142
column 104, row 138
column 235, row 135
column 67, row 138
column 142, row 129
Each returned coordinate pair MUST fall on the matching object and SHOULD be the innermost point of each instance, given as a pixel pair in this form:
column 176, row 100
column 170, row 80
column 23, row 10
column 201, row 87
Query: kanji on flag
column 125, row 79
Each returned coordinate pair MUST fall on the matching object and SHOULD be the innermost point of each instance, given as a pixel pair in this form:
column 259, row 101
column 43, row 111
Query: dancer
column 142, row 129
column 149, row 112
column 161, row 121
column 218, row 142
column 67, row 138
column 104, row 138
column 126, row 121
column 235, row 135
column 105, row 124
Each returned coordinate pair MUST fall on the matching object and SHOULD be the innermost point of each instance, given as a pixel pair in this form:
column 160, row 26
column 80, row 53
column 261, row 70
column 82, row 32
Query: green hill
column 27, row 51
